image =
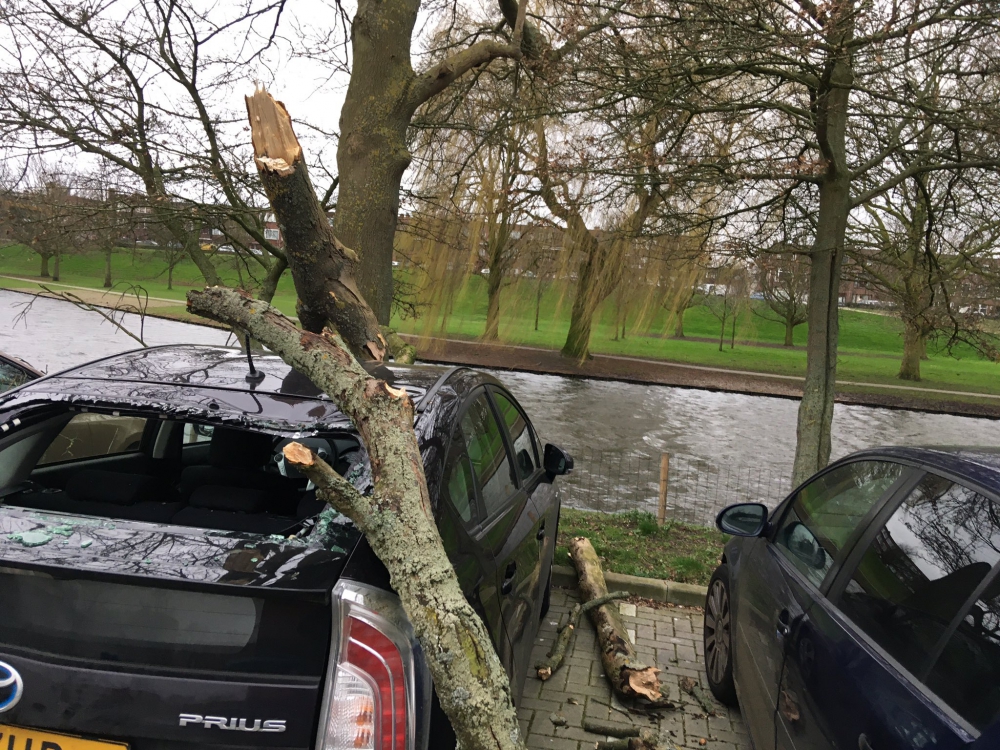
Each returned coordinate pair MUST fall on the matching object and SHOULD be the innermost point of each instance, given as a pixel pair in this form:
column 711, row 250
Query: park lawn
column 633, row 544
column 871, row 344
column 140, row 266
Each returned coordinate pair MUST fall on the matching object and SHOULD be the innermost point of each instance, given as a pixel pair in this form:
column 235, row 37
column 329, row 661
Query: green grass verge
column 870, row 344
column 633, row 543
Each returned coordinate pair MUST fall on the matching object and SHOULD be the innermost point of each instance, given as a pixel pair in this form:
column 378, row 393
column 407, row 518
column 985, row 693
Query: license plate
column 21, row 738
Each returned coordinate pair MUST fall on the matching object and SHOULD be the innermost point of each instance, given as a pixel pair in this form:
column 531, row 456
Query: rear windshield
column 157, row 627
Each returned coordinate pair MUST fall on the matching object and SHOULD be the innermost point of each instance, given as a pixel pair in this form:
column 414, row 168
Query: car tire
column 718, row 637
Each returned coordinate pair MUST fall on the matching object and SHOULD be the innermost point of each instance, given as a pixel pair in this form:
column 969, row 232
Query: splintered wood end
column 274, row 143
column 298, row 454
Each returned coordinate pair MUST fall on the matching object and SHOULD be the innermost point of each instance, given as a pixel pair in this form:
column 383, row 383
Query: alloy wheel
column 717, row 634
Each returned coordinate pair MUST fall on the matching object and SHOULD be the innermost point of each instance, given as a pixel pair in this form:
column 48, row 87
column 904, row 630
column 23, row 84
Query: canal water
column 723, row 447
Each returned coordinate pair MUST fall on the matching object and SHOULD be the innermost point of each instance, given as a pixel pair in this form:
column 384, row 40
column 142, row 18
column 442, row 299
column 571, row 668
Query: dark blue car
column 864, row 611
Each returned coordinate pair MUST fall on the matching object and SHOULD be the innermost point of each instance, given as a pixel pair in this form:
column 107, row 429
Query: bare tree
column 783, row 280
column 146, row 105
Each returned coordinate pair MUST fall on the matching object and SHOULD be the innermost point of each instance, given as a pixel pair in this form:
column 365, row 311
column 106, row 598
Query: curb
column 670, row 592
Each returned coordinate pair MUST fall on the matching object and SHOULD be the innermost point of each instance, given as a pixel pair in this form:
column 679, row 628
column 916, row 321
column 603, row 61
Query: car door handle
column 508, row 579
column 541, row 532
column 863, row 743
column 784, row 624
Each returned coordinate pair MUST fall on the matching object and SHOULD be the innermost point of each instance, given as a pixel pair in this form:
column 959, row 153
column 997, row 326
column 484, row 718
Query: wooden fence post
column 664, row 477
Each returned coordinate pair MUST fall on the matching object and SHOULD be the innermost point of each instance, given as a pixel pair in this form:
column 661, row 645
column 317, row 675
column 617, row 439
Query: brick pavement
column 668, row 637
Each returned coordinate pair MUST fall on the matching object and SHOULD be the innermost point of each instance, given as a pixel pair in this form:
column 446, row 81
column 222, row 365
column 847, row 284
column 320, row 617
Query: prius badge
column 242, row 725
column 11, row 687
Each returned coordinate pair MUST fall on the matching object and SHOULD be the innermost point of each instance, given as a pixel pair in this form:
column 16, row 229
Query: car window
column 490, row 463
column 525, row 450
column 460, row 485
column 94, row 435
column 825, row 513
column 11, row 376
column 197, row 433
column 909, row 590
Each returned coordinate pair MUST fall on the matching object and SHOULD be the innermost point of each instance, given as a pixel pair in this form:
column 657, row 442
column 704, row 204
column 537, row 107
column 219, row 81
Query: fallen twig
column 566, row 631
column 690, row 686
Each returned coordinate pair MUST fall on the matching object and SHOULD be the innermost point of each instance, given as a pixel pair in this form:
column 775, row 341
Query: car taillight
column 378, row 690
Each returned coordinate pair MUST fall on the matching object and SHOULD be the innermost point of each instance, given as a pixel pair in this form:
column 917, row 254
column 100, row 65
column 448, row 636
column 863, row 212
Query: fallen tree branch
column 396, row 518
column 690, row 686
column 629, row 677
column 565, row 635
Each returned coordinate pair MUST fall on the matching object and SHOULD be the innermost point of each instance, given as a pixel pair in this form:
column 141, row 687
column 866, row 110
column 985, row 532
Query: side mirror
column 556, row 460
column 744, row 519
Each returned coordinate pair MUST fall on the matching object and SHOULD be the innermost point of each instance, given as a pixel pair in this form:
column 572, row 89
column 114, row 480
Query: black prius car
column 864, row 611
column 167, row 582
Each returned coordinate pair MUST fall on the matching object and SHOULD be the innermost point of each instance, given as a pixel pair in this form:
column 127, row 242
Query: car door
column 509, row 521
column 784, row 574
column 908, row 644
column 460, row 520
column 534, row 541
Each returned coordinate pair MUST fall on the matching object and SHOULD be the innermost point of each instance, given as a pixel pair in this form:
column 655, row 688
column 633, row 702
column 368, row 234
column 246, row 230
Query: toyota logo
column 11, row 687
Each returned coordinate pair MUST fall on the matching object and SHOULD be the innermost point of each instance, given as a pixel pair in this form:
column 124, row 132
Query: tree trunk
column 913, row 347
column 629, row 677
column 271, row 279
column 203, row 263
column 722, row 330
column 170, row 275
column 493, row 284
column 538, row 300
column 789, row 331
column 107, row 268
column 55, row 267
column 372, row 153
column 732, row 339
column 592, row 288
column 815, row 418
column 679, row 323
column 322, row 267
column 44, row 273
column 396, row 518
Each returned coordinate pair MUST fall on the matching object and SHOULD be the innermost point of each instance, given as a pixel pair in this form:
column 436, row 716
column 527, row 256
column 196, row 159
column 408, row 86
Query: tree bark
column 628, row 676
column 913, row 348
column 107, row 268
column 44, row 272
column 271, row 279
column 815, row 418
column 494, row 282
column 322, row 267
column 472, row 685
column 55, row 266
column 679, row 323
column 789, row 331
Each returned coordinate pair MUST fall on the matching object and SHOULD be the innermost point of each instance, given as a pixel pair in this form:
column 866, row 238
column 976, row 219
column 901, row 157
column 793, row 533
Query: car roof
column 211, row 381
column 978, row 465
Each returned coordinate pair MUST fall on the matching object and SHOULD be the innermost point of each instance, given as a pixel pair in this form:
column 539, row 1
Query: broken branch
column 629, row 677
column 566, row 633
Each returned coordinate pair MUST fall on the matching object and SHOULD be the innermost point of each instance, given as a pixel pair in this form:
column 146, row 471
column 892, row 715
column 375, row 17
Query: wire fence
column 671, row 487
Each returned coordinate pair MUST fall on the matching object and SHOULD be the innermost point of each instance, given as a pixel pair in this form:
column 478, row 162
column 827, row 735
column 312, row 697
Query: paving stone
column 627, row 609
column 665, row 634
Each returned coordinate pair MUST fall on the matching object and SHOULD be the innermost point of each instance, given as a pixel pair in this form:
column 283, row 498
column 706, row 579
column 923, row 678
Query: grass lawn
column 870, row 344
column 633, row 544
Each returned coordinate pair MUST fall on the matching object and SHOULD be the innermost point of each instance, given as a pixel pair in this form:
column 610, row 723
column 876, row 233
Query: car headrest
column 100, row 486
column 232, row 499
column 239, row 449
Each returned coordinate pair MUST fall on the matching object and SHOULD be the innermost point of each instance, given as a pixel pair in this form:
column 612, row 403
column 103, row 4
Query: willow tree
column 828, row 94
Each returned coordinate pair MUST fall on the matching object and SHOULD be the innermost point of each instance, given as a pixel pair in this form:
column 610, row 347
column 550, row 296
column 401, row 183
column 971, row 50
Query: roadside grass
column 870, row 343
column 633, row 543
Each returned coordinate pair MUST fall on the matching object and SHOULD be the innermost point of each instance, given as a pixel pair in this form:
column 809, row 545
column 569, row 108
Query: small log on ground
column 629, row 677
column 691, row 687
column 565, row 635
